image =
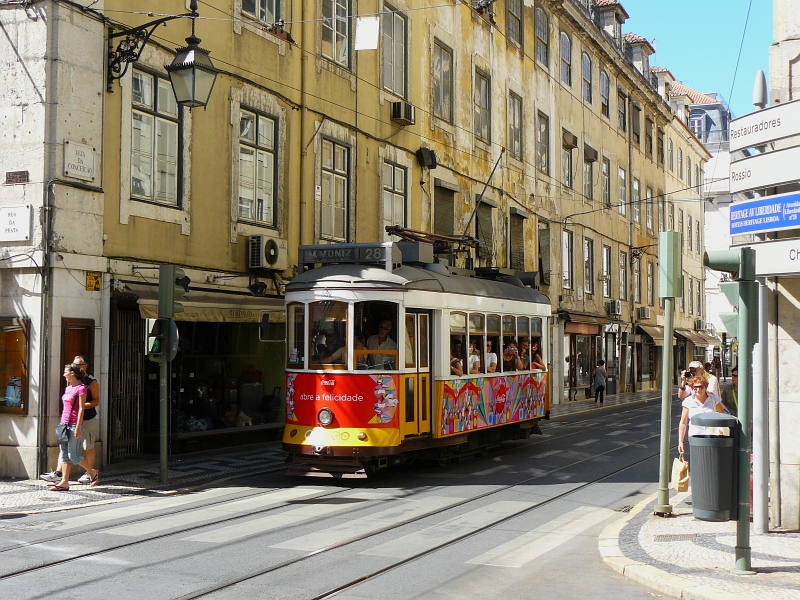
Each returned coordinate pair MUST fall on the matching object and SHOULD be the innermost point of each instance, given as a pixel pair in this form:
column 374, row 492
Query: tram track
column 394, row 526
column 354, row 583
column 223, row 501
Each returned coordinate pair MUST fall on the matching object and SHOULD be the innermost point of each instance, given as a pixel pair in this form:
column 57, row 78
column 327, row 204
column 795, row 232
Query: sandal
column 59, row 488
column 96, row 478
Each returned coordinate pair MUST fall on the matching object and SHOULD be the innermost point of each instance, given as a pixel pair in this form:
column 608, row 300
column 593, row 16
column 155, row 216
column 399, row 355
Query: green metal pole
column 663, row 507
column 163, row 428
column 748, row 310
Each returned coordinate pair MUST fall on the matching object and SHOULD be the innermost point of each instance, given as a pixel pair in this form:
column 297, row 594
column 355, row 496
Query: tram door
column 416, row 415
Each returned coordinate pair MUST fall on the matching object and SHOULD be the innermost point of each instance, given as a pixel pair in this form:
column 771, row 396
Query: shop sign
column 772, row 213
column 79, row 161
column 93, row 281
column 763, row 126
column 15, row 223
column 765, row 170
column 15, row 177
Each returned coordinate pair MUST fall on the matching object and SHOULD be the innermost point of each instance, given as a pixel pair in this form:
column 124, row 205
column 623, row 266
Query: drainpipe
column 631, row 290
column 304, row 144
column 44, row 334
column 774, row 411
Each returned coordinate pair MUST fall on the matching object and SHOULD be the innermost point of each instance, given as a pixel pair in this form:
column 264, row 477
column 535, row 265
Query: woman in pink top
column 74, row 401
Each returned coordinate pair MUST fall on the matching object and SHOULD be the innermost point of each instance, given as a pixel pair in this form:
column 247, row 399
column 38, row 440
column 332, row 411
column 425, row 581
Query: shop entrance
column 583, row 353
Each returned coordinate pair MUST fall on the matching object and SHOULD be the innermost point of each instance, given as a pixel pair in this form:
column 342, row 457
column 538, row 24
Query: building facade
column 536, row 129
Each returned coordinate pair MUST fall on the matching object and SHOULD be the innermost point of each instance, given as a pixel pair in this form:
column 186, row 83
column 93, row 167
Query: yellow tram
column 389, row 360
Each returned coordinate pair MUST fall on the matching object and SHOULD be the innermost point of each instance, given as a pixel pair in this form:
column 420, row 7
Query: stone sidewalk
column 690, row 559
column 128, row 480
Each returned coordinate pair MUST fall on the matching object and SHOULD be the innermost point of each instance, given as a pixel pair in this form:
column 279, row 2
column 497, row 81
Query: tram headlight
column 325, row 416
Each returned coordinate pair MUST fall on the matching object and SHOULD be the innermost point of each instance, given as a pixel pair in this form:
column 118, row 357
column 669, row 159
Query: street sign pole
column 748, row 314
column 163, row 408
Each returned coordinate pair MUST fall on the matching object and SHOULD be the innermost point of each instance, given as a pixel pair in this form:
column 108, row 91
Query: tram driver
column 382, row 341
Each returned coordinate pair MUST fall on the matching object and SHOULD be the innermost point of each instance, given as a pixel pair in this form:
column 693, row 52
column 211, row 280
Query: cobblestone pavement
column 686, row 558
column 125, row 481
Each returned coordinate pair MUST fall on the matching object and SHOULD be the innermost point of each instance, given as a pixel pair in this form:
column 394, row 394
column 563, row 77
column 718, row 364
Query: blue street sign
column 761, row 215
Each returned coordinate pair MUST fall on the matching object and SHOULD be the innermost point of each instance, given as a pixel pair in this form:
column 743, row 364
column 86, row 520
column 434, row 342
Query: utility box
column 713, row 463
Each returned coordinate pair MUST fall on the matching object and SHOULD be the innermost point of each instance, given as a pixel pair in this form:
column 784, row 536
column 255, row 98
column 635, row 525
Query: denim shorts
column 70, row 450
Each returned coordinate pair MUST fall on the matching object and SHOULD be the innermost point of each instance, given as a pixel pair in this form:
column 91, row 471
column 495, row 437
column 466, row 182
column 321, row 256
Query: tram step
column 341, row 469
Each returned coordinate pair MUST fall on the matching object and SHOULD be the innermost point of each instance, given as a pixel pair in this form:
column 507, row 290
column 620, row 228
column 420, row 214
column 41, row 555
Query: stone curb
column 649, row 576
column 145, row 492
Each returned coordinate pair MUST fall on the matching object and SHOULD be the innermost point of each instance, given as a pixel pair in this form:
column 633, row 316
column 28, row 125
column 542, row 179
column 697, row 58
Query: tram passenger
column 335, row 350
column 361, row 359
column 456, row 365
column 491, row 358
column 524, row 354
column 536, row 356
column 382, row 341
column 511, row 360
column 473, row 360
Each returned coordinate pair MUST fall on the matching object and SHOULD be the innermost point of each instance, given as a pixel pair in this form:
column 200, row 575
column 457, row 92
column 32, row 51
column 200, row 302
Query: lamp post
column 191, row 73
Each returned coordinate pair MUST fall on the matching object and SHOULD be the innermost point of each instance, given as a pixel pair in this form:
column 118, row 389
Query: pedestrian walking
column 74, row 402
column 599, row 380
column 91, row 422
column 701, row 401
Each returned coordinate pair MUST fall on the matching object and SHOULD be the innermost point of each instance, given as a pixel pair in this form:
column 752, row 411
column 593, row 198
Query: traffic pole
column 163, row 397
column 663, row 507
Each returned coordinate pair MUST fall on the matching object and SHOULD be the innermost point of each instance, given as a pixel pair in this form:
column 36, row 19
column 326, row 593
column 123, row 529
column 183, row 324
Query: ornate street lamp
column 191, row 73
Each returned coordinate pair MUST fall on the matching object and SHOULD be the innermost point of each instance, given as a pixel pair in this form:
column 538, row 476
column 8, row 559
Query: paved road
column 522, row 523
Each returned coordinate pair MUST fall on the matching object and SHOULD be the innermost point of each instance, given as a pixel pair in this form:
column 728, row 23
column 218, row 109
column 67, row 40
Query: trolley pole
column 670, row 284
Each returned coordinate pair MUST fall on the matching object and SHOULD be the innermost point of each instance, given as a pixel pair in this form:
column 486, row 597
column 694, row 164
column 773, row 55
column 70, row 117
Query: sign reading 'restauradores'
column 762, row 215
column 762, row 126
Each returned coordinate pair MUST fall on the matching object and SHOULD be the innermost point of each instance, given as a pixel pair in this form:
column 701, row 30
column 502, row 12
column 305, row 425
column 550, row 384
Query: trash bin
column 713, row 468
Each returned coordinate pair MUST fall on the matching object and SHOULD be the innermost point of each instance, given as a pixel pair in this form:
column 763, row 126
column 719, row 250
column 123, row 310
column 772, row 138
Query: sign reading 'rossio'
column 762, row 126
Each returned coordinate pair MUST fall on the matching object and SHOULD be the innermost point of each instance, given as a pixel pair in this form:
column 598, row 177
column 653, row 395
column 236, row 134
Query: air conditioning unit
column 266, row 253
column 643, row 312
column 404, row 113
column 614, row 308
column 699, row 325
column 710, row 329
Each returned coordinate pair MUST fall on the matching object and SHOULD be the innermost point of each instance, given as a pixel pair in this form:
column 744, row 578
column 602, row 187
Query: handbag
column 680, row 474
column 62, row 433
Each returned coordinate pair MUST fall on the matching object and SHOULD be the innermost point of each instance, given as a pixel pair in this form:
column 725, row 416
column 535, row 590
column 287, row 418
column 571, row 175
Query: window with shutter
column 517, row 245
column 443, row 207
column 484, row 230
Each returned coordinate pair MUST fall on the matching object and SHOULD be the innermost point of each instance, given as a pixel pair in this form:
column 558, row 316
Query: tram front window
column 296, row 335
column 328, row 334
column 376, row 324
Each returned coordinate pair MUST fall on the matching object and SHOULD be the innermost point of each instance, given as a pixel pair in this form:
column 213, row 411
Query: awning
column 710, row 339
column 576, row 317
column 692, row 337
column 209, row 306
column 655, row 332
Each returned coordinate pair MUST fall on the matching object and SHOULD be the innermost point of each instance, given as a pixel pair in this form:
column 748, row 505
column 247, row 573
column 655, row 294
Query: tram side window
column 510, row 350
column 411, row 347
column 328, row 334
column 376, row 323
column 296, row 335
column 493, row 345
column 537, row 352
column 475, row 358
column 458, row 336
column 524, row 343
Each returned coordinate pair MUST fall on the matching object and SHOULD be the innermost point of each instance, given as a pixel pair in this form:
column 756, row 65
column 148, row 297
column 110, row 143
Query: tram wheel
column 443, row 462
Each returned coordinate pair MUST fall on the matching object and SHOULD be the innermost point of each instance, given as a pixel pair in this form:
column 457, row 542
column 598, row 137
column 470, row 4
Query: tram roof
column 411, row 278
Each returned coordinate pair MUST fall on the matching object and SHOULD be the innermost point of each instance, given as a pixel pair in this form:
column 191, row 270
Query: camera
column 686, row 374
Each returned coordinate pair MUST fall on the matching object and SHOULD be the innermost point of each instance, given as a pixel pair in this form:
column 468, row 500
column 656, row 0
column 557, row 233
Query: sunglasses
column 698, row 387
column 385, row 328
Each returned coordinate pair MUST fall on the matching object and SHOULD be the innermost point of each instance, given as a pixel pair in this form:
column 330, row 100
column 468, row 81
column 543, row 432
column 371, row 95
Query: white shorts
column 90, row 431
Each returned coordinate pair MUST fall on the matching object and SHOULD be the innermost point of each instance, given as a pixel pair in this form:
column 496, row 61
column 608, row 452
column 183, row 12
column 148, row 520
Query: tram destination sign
column 765, row 170
column 762, row 215
column 385, row 254
column 764, row 126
